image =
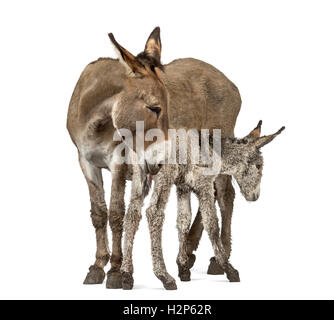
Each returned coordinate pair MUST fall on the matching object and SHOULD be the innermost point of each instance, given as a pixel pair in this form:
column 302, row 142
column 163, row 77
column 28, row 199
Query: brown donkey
column 111, row 93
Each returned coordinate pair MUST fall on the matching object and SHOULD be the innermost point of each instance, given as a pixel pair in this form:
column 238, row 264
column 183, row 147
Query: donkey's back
column 201, row 96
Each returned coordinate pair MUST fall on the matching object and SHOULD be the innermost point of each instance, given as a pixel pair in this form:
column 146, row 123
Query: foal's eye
column 258, row 166
column 156, row 110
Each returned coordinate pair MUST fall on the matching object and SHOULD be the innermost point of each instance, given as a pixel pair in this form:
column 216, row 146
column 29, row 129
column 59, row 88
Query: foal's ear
column 127, row 58
column 256, row 132
column 151, row 56
column 262, row 141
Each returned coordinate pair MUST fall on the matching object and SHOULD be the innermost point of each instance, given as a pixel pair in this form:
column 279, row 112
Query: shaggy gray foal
column 240, row 158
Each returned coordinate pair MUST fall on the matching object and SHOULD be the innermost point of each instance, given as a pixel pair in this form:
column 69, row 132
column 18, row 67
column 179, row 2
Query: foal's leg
column 155, row 217
column 210, row 223
column 131, row 224
column 99, row 217
column 225, row 196
column 183, row 226
column 116, row 216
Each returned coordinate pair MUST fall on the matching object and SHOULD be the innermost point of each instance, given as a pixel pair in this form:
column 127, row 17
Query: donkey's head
column 242, row 158
column 144, row 97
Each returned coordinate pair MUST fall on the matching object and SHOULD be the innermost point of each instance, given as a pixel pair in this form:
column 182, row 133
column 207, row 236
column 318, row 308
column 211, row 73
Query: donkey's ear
column 151, row 56
column 256, row 132
column 262, row 141
column 127, row 58
column 153, row 45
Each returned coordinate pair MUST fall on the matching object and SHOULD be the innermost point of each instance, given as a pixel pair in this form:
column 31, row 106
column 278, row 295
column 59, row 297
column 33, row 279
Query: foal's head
column 144, row 96
column 242, row 158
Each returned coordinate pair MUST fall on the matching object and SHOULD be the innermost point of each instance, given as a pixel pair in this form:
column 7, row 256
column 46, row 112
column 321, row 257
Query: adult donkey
column 116, row 93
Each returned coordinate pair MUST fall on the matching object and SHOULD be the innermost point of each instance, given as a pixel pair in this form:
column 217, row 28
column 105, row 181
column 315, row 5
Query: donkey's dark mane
column 150, row 61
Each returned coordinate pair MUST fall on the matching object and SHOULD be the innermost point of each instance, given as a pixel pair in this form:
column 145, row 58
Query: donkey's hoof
column 170, row 285
column 184, row 273
column 191, row 260
column 185, row 276
column 232, row 274
column 95, row 275
column 127, row 281
column 234, row 277
column 168, row 282
column 114, row 280
column 215, row 268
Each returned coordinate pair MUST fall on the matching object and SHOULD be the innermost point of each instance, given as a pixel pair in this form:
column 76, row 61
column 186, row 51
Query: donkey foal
column 240, row 158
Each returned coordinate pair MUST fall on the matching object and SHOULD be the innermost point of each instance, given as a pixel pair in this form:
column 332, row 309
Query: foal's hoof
column 170, row 285
column 114, row 280
column 184, row 273
column 215, row 268
column 127, row 281
column 232, row 274
column 191, row 260
column 167, row 281
column 95, row 275
column 185, row 276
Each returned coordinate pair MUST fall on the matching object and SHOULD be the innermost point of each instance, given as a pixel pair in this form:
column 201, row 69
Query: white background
column 278, row 53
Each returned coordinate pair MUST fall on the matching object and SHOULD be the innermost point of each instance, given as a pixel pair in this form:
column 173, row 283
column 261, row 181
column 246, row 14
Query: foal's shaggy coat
column 240, row 158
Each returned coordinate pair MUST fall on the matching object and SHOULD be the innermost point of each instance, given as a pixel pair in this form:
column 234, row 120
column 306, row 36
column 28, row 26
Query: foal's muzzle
column 152, row 169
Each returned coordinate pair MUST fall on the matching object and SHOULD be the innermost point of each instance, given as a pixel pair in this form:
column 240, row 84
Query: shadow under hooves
column 95, row 275
column 114, row 280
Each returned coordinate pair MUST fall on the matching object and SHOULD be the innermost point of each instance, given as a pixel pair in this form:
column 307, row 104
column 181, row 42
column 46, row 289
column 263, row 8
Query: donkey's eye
column 156, row 110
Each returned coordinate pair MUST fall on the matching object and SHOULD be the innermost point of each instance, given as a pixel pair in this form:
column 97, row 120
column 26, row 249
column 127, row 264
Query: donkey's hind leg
column 194, row 237
column 210, row 223
column 225, row 196
column 116, row 216
column 99, row 215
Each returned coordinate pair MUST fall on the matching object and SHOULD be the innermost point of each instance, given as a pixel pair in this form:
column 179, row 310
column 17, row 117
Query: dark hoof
column 95, row 275
column 168, row 282
column 215, row 268
column 232, row 274
column 185, row 276
column 127, row 281
column 171, row 285
column 114, row 280
column 191, row 260
column 184, row 273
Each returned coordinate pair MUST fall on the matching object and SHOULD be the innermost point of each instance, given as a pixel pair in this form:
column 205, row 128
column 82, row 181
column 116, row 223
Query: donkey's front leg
column 116, row 217
column 210, row 222
column 99, row 217
column 155, row 217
